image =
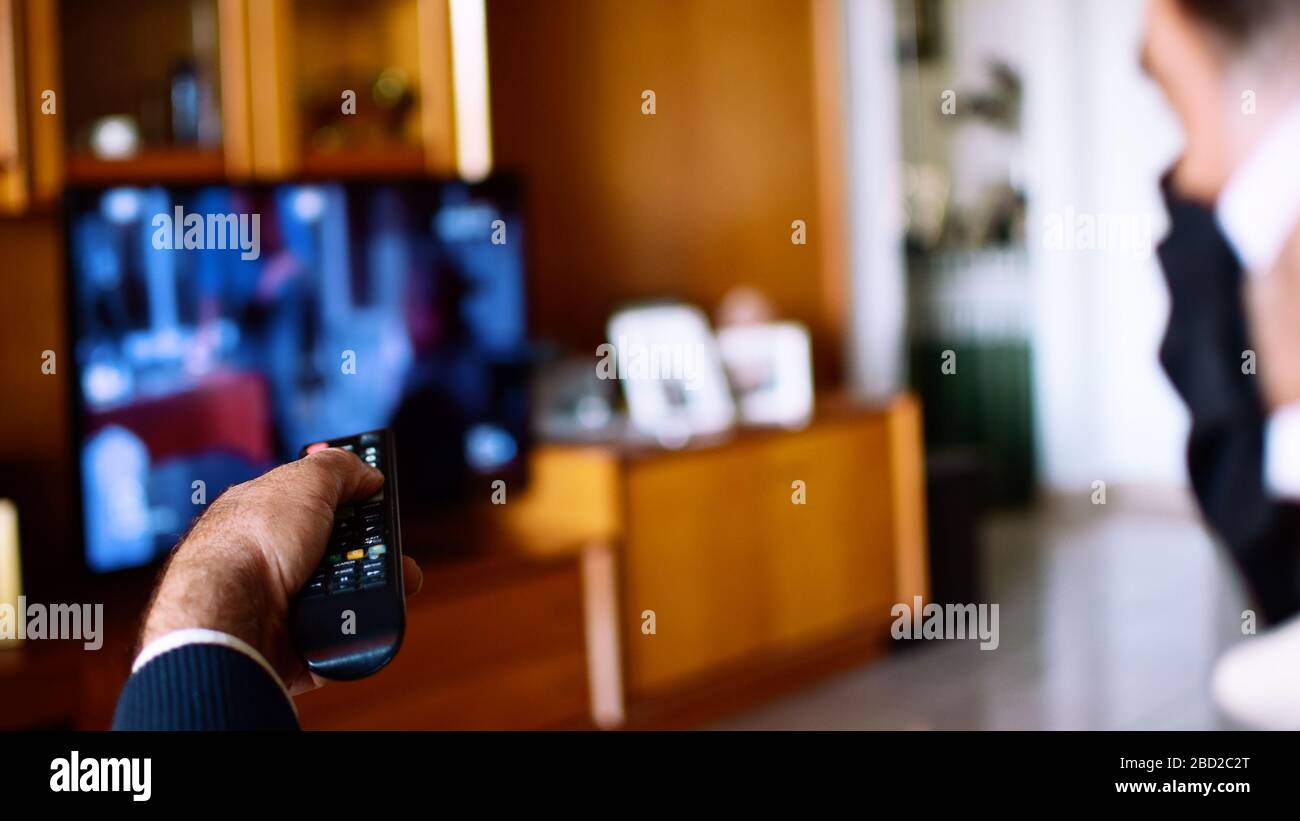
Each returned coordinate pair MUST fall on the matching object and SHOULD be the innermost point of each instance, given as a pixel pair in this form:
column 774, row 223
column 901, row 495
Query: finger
column 413, row 575
column 304, row 683
column 339, row 476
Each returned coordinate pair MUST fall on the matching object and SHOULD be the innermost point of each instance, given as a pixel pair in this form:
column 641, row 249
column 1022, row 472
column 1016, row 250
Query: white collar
column 1260, row 206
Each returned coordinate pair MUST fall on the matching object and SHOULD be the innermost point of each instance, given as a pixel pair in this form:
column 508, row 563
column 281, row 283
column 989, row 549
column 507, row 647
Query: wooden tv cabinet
column 751, row 593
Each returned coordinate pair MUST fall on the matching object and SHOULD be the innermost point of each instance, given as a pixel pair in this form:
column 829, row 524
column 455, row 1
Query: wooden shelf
column 386, row 161
column 267, row 65
column 194, row 166
column 161, row 165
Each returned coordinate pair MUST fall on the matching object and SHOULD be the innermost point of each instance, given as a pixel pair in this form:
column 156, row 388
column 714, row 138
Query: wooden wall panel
column 13, row 170
column 32, row 415
column 688, row 202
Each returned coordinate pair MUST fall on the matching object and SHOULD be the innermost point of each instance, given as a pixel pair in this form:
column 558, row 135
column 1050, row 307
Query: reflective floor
column 1109, row 619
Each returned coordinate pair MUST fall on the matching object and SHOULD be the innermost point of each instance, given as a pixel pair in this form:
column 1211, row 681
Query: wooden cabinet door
column 733, row 567
column 829, row 560
column 691, row 555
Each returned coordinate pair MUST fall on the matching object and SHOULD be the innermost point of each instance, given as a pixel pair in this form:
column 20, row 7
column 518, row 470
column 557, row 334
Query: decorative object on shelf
column 115, row 137
column 927, row 192
column 743, row 305
column 666, row 358
column 770, row 367
column 572, row 404
column 997, row 105
column 382, row 115
column 194, row 120
column 185, row 104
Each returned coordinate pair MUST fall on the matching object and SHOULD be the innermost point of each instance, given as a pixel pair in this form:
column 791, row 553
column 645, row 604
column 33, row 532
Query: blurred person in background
column 1230, row 69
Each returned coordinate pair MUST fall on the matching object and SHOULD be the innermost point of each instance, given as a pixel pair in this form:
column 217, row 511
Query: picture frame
column 770, row 369
column 666, row 359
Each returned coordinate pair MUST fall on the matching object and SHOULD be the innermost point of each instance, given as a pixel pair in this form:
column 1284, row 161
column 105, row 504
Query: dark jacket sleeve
column 203, row 687
column 1203, row 354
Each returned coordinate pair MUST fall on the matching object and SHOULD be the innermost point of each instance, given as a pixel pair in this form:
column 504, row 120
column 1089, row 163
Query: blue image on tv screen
column 219, row 329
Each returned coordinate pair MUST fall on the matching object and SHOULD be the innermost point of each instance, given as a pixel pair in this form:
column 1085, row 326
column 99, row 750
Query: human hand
column 241, row 565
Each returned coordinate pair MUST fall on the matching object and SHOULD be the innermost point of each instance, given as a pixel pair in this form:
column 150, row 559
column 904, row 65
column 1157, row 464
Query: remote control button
column 369, row 540
column 316, row 447
column 315, row 587
column 334, row 558
column 372, row 563
column 356, row 554
column 376, row 582
column 344, row 584
column 369, row 438
column 377, row 550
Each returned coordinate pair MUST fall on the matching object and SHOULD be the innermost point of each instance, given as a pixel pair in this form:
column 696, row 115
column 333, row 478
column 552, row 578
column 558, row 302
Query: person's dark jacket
column 1205, row 354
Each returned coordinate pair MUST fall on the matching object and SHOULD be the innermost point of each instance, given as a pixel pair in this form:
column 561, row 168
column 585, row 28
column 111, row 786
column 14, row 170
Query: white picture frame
column 666, row 360
column 769, row 365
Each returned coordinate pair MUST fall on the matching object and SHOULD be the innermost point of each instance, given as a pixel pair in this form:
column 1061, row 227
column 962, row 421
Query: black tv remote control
column 348, row 621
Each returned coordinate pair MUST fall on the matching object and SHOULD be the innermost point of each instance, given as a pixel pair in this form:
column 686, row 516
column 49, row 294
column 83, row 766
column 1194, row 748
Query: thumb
column 339, row 476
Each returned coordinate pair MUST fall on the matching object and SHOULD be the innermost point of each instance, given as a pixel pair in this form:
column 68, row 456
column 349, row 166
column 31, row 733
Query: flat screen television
column 216, row 329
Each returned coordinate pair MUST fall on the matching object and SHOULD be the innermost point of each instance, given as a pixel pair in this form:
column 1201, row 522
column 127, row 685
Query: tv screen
column 217, row 329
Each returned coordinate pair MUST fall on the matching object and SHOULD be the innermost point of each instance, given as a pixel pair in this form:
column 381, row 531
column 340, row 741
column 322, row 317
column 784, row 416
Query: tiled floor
column 1109, row 620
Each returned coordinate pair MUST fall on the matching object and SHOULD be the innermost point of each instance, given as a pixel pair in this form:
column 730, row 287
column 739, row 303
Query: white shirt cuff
column 1282, row 452
column 198, row 635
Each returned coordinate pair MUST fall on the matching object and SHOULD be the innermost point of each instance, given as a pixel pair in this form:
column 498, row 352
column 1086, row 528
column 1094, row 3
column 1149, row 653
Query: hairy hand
column 246, row 558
